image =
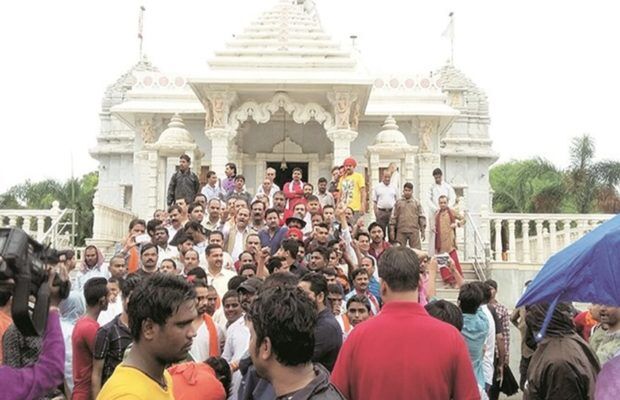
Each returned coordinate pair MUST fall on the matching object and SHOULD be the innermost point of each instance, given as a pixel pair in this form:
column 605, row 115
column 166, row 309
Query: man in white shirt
column 234, row 237
column 268, row 188
column 202, row 348
column 438, row 189
column 217, row 237
column 238, row 334
column 164, row 249
column 384, row 196
column 213, row 221
column 212, row 189
column 174, row 213
column 218, row 276
column 326, row 198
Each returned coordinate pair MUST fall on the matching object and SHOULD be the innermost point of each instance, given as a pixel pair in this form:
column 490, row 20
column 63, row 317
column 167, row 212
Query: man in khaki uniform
column 408, row 222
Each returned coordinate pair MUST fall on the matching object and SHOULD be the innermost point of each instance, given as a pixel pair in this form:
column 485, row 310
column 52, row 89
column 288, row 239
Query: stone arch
column 261, row 112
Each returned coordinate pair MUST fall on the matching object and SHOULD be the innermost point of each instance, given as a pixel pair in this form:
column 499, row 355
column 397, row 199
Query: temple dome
column 390, row 134
column 175, row 134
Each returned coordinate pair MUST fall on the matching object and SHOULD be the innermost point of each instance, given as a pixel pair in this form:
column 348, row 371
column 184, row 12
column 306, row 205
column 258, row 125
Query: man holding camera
column 48, row 372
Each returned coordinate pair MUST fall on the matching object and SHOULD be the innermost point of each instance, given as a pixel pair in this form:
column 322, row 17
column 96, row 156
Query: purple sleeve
column 44, row 375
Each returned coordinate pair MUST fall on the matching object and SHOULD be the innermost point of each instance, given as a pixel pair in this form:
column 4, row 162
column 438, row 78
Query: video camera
column 23, row 260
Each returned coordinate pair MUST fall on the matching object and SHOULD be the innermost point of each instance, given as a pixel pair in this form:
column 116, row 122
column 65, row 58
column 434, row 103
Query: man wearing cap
column 352, row 187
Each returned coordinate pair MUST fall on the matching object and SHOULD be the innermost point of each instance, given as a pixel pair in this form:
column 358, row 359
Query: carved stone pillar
column 217, row 127
column 512, row 243
column 525, row 230
column 346, row 117
column 342, row 139
column 220, row 149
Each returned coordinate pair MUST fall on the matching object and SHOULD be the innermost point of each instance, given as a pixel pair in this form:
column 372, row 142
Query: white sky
column 551, row 69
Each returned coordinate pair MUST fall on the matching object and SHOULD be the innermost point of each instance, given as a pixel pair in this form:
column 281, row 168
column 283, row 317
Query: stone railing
column 54, row 226
column 110, row 226
column 533, row 238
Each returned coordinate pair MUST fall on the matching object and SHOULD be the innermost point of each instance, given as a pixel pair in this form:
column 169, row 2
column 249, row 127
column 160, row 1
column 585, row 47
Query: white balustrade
column 27, row 217
column 563, row 230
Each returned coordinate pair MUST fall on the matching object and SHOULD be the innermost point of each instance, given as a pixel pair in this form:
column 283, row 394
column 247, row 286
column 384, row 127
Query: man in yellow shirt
column 161, row 311
column 352, row 187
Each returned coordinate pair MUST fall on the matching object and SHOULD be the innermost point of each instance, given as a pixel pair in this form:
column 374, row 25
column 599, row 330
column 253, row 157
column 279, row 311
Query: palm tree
column 593, row 185
column 533, row 185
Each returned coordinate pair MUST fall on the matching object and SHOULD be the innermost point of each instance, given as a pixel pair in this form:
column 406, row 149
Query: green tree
column 593, row 185
column 76, row 194
column 529, row 186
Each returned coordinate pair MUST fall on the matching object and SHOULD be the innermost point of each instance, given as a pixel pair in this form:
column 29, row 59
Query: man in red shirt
column 420, row 356
column 294, row 190
column 84, row 335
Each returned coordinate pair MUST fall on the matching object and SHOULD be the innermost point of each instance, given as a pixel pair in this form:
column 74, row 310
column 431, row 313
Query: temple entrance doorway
column 283, row 176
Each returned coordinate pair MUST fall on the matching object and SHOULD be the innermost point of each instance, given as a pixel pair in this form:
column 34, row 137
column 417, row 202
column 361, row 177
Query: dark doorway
column 283, row 176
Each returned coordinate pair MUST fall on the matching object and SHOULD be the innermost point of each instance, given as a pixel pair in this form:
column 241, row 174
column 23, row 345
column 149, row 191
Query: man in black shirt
column 112, row 340
column 327, row 333
column 184, row 184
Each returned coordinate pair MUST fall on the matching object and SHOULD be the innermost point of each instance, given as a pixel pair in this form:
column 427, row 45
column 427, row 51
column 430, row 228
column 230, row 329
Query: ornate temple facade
column 283, row 94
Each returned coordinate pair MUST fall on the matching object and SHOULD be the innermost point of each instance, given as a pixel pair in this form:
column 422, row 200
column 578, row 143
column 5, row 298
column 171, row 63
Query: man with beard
column 318, row 259
column 273, row 234
column 282, row 348
column 164, row 249
column 161, row 312
column 149, row 257
column 326, row 198
column 294, row 190
column 279, row 204
column 327, row 332
column 238, row 334
column 91, row 267
column 207, row 343
column 377, row 244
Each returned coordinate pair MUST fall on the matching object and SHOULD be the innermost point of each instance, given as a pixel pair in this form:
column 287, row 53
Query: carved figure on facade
column 208, row 115
column 220, row 108
column 146, row 131
column 426, row 131
column 355, row 116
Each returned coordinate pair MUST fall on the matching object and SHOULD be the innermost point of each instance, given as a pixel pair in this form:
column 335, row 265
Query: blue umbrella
column 586, row 271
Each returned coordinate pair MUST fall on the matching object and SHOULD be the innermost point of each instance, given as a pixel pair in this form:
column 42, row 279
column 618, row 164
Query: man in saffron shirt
column 420, row 356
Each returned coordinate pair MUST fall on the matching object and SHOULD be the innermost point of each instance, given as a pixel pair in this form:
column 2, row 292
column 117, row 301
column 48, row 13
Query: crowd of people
column 291, row 294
